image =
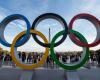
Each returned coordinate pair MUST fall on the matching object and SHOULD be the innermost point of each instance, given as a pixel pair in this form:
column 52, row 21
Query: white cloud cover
column 32, row 10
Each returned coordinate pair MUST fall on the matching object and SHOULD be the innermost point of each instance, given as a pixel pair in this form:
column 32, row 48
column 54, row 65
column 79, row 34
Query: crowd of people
column 34, row 57
column 29, row 57
column 5, row 59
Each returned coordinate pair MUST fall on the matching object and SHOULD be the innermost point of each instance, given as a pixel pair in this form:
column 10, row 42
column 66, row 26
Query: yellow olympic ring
column 29, row 67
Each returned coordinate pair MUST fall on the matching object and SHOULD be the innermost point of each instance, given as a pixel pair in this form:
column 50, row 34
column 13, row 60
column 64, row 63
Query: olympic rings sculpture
column 75, row 36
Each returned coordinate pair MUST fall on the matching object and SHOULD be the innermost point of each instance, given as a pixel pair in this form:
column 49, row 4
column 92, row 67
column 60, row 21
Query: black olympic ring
column 52, row 16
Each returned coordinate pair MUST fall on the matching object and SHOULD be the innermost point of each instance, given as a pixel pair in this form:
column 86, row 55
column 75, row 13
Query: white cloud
column 32, row 10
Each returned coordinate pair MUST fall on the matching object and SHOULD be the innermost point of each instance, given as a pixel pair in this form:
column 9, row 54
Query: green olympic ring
column 70, row 67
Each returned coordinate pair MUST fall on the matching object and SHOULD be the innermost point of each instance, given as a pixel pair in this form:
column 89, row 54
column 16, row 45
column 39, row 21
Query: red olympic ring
column 94, row 21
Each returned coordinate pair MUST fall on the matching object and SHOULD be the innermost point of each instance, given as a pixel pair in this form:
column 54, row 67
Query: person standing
column 19, row 55
column 29, row 58
column 98, row 59
column 23, row 57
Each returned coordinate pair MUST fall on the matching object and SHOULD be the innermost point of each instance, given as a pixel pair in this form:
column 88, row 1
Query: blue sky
column 65, row 8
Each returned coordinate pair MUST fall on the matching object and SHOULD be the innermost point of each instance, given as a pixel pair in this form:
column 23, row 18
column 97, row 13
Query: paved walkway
column 49, row 74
